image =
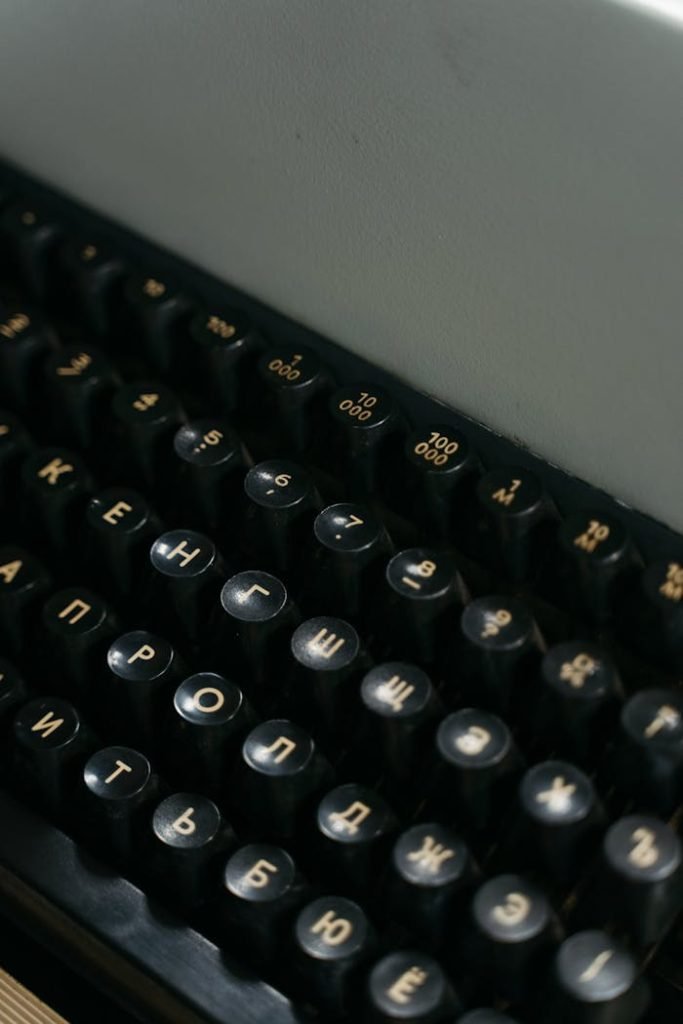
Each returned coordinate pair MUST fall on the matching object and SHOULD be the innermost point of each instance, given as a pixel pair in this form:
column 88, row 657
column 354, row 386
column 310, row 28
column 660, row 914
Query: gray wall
column 484, row 195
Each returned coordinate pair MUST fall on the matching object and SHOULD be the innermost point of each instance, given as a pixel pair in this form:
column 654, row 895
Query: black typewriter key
column 212, row 717
column 294, row 377
column 639, row 889
column 595, row 980
column 12, row 690
column 440, row 459
column 14, row 444
column 400, row 704
column 555, row 822
column 24, row 343
column 431, row 873
column 328, row 658
column 477, row 765
column 511, row 936
column 485, row 1016
column 121, row 528
column 94, row 276
column 282, row 503
column 262, row 889
column 280, row 771
column 225, row 343
column 354, row 828
column 353, row 544
column 579, row 698
column 50, row 738
column 30, row 237
column 190, row 834
column 211, row 473
column 648, row 763
column 332, row 940
column 410, row 987
column 149, row 415
column 425, row 583
column 119, row 785
column 79, row 381
column 515, row 504
column 659, row 627
column 158, row 308
column 23, row 582
column 256, row 625
column 186, row 581
column 143, row 671
column 501, row 647
column 596, row 552
column 365, row 417
column 56, row 485
column 78, row 627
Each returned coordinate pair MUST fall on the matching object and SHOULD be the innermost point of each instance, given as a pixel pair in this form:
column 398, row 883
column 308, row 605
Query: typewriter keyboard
column 318, row 700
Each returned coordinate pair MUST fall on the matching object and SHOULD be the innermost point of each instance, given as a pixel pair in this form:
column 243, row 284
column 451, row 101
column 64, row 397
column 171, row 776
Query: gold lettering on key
column 220, row 327
column 284, row 744
column 595, row 534
column 116, row 512
column 256, row 589
column 431, row 855
column 395, row 693
column 53, row 470
column 352, row 818
column 143, row 653
column 494, row 622
column 47, row 725
column 9, row 570
column 593, row 969
column 666, row 718
column 184, row 824
column 78, row 608
column 558, row 797
column 513, row 911
column 645, row 853
column 405, row 987
column 325, row 643
column 76, row 365
column 155, row 289
column 473, row 741
column 146, row 401
column 673, row 585
column 181, row 549
column 505, row 496
column 332, row 929
column 577, row 671
column 258, row 876
column 121, row 767
column 215, row 704
column 15, row 325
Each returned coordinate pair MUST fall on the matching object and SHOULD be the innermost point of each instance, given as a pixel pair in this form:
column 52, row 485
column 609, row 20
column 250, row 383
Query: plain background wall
column 484, row 195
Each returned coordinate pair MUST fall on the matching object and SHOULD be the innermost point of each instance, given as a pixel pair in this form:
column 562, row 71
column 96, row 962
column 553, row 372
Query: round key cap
column 648, row 764
column 31, row 236
column 515, row 504
column 401, row 706
column 95, row 276
column 212, row 717
column 641, row 884
column 23, row 583
column 283, row 502
column 25, row 341
column 353, row 544
column 159, row 309
column 51, row 741
column 212, row 463
column 262, row 889
column 294, row 378
column 332, row 940
column 225, row 342
column 556, row 818
column 122, row 526
column 431, row 872
column 148, row 414
column 119, row 785
column 189, row 837
column 580, row 697
column 478, row 763
column 425, row 584
column 143, row 671
column 365, row 417
column 596, row 982
column 410, row 987
column 501, row 645
column 56, row 485
column 440, row 459
column 514, row 930
column 328, row 659
column 79, row 627
column 185, row 581
column 662, row 592
column 354, row 826
column 256, row 625
column 280, row 773
column 597, row 552
column 80, row 381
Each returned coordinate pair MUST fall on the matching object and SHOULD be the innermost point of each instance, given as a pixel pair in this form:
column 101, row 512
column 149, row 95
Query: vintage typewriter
column 318, row 700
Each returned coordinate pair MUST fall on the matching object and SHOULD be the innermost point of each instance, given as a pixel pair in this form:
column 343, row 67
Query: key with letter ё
column 409, row 987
